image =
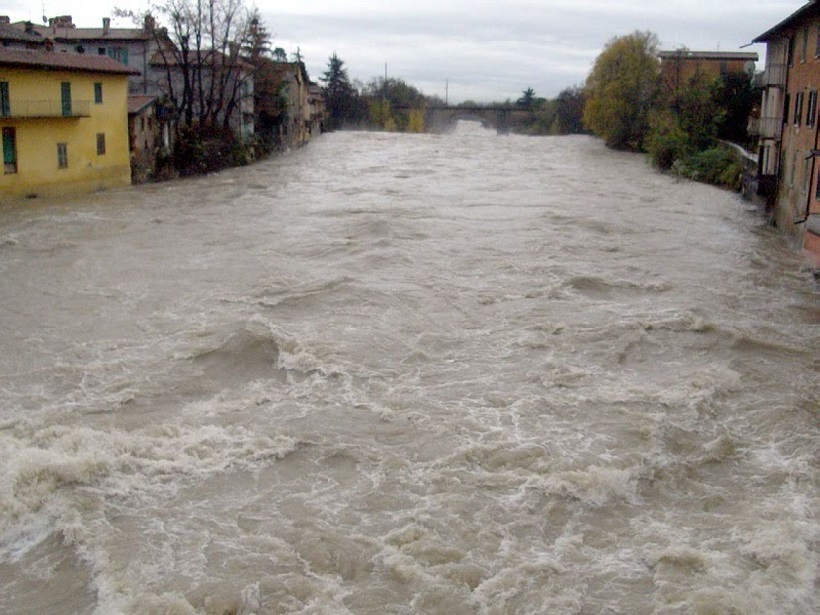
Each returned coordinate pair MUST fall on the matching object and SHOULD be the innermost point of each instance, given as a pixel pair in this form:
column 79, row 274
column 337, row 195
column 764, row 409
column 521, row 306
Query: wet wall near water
column 408, row 374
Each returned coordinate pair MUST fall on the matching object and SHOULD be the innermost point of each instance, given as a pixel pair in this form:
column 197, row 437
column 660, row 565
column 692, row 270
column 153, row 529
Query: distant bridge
column 439, row 118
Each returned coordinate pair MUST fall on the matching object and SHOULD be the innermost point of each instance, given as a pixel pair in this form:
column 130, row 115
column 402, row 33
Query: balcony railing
column 46, row 108
column 774, row 75
column 770, row 127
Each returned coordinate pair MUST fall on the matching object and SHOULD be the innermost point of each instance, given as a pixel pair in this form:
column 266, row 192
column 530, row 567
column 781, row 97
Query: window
column 9, row 151
column 798, row 108
column 791, row 51
column 100, row 143
column 786, row 108
column 817, row 45
column 100, row 51
column 804, row 51
column 5, row 103
column 65, row 93
column 62, row 155
column 98, row 93
column 120, row 54
column 811, row 113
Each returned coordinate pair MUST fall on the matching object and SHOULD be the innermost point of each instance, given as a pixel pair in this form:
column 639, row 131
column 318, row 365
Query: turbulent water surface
column 393, row 374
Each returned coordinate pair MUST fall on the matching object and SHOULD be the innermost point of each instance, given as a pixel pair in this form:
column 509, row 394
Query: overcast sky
column 482, row 50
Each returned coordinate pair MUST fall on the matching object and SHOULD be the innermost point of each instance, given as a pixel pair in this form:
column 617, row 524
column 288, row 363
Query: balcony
column 770, row 128
column 31, row 109
column 775, row 76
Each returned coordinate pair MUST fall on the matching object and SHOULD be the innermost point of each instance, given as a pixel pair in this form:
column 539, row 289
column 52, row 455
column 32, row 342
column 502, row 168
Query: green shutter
column 9, row 147
column 66, row 98
column 5, row 103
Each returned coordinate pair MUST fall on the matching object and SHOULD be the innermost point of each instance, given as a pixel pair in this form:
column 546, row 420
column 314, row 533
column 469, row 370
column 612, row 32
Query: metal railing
column 47, row 108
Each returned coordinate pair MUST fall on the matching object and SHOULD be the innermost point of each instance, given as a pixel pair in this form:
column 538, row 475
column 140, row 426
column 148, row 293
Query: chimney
column 62, row 21
column 106, row 24
column 29, row 27
column 149, row 23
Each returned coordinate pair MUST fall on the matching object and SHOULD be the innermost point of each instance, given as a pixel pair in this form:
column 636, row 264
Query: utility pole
column 447, row 93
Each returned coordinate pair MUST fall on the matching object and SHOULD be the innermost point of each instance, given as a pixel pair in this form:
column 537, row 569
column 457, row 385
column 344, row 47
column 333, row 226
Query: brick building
column 788, row 164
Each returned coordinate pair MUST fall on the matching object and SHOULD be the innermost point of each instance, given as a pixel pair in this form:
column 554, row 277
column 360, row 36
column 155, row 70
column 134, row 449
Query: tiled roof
column 10, row 33
column 54, row 60
column 138, row 103
column 708, row 55
column 207, row 58
column 63, row 33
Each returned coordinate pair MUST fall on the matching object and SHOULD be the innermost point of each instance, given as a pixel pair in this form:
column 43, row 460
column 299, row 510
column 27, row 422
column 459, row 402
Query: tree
column 395, row 91
column 258, row 41
column 621, row 90
column 737, row 96
column 339, row 94
column 527, row 99
column 569, row 111
column 199, row 52
column 698, row 110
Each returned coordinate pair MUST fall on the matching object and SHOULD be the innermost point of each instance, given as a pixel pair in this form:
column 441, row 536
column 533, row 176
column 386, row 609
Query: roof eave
column 798, row 14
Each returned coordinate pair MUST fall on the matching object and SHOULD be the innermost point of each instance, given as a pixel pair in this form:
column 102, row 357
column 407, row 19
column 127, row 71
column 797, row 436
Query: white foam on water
column 428, row 374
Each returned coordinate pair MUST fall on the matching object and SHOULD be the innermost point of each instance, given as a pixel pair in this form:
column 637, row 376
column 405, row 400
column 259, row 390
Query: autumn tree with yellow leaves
column 621, row 90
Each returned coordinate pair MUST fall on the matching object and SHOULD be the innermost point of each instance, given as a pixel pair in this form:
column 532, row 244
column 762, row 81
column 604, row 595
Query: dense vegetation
column 682, row 124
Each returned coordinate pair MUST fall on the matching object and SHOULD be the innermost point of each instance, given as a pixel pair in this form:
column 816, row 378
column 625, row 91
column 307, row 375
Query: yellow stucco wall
column 37, row 137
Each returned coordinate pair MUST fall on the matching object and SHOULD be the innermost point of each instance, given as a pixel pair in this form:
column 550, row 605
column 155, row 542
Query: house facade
column 150, row 138
column 291, row 105
column 680, row 65
column 134, row 47
column 788, row 166
column 63, row 119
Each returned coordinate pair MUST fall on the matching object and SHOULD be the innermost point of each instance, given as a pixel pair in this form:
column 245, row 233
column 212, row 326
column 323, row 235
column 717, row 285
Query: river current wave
column 408, row 374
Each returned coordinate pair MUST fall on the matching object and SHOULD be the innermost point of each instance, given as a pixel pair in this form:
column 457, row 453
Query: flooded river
column 393, row 374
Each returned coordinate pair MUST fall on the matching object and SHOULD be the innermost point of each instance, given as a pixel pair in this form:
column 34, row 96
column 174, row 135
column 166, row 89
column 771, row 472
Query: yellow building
column 64, row 123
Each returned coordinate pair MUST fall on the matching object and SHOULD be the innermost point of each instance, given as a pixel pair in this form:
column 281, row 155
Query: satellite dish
column 749, row 68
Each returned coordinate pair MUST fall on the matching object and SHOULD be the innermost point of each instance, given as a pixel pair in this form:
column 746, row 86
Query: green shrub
column 720, row 166
column 200, row 151
column 664, row 148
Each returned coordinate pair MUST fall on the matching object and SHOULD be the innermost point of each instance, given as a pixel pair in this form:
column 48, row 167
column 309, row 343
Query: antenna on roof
column 45, row 19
